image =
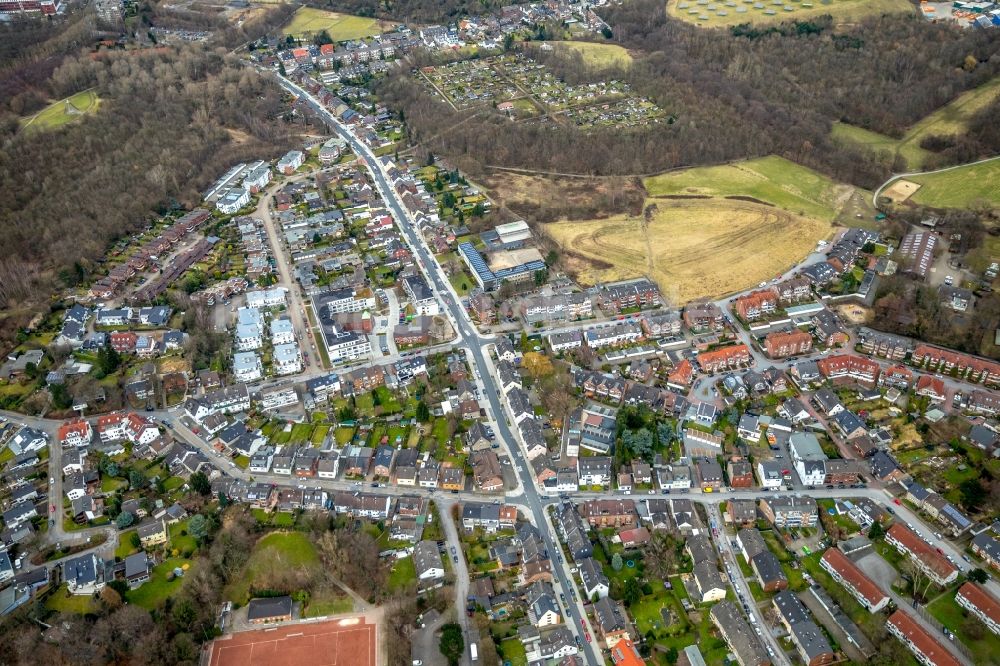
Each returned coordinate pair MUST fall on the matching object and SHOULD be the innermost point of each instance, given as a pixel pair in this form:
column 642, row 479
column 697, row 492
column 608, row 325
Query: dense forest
column 421, row 11
column 740, row 93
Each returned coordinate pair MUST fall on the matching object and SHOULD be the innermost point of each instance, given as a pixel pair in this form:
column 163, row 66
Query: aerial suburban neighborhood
column 462, row 336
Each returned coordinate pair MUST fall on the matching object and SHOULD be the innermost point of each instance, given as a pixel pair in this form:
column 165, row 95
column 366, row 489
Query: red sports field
column 349, row 642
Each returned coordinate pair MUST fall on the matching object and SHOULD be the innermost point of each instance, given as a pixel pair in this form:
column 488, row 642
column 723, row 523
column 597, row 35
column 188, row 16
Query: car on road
column 896, row 501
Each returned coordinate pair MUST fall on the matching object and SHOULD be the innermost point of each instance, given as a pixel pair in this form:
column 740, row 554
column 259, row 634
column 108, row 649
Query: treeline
column 425, row 11
column 161, row 134
column 30, row 51
column 733, row 95
column 981, row 139
column 882, row 74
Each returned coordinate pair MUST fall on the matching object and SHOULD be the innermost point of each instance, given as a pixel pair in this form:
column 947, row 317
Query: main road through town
column 469, row 339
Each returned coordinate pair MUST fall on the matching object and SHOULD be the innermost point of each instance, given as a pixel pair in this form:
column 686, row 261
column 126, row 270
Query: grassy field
column 759, row 12
column 62, row 601
column 951, row 119
column 59, row 113
column 156, row 590
column 947, row 611
column 274, row 552
column 308, row 21
column 595, row 54
column 877, row 143
column 960, row 188
column 692, row 248
column 773, row 180
column 328, row 605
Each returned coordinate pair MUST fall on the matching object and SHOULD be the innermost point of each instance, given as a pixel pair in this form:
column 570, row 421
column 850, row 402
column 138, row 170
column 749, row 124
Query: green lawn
column 173, row 483
column 301, row 432
column 319, row 434
column 110, row 484
column 596, row 54
column 64, row 111
column 308, row 21
column 125, row 547
column 365, row 404
column 774, row 180
column 155, row 591
column 440, row 430
column 946, row 610
column 61, row 601
column 277, row 549
column 960, row 188
column 329, row 606
column 403, row 573
column 180, row 540
column 343, row 435
column 462, row 283
column 879, row 143
column 513, row 652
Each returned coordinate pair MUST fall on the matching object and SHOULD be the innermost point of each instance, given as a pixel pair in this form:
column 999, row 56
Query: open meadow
column 951, row 119
column 693, row 248
column 64, row 111
column 716, row 13
column 974, row 185
column 309, row 21
column 772, row 180
column 278, row 561
column 595, row 54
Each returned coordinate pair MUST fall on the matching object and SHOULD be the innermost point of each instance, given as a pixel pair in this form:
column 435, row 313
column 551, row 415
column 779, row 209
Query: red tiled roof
column 921, row 549
column 735, row 351
column 981, row 599
column 927, row 644
column 755, row 299
column 625, row 654
column 956, row 358
column 78, row 426
column 931, row 384
column 853, row 575
column 683, row 373
column 109, row 420
column 848, row 363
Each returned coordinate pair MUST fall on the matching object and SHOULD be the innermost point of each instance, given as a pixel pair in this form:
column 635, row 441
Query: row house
column 848, row 366
column 787, row 343
column 725, row 358
column 932, row 563
column 884, row 345
column 635, row 294
column 980, row 604
column 609, row 513
column 603, row 386
column 789, row 510
column 847, row 573
column 756, row 304
column 964, row 366
column 613, row 335
column 703, row 317
column 924, row 646
column 793, row 290
column 659, row 325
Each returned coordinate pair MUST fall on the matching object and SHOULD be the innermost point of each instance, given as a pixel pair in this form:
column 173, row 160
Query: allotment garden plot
column 525, row 90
